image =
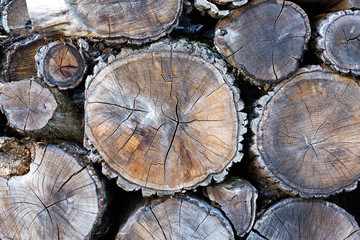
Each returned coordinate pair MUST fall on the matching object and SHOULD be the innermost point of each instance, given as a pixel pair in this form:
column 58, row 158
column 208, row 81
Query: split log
column 19, row 63
column 306, row 134
column 57, row 199
column 164, row 119
column 126, row 21
column 301, row 219
column 237, row 198
column 36, row 111
column 338, row 42
column 265, row 40
column 176, row 218
column 61, row 65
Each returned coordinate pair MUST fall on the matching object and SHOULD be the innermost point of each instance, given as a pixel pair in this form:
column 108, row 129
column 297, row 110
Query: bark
column 61, row 65
column 338, row 41
column 265, row 40
column 59, row 198
column 302, row 219
column 176, row 218
column 306, row 134
column 237, row 198
column 163, row 119
column 40, row 112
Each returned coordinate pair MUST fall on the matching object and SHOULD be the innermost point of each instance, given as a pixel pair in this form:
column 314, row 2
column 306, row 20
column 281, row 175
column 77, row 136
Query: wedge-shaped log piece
column 57, row 199
column 265, row 40
column 307, row 134
column 164, row 120
column 301, row 219
column 27, row 104
column 339, row 41
column 61, row 65
column 237, row 198
column 176, row 218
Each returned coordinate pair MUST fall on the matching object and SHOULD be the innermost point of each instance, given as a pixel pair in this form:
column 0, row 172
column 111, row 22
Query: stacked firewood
column 179, row 119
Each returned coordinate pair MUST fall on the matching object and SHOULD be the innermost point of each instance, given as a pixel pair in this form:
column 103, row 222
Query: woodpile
column 179, row 119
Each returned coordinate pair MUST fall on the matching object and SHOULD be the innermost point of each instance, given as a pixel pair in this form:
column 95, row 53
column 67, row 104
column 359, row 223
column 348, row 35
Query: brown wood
column 61, row 65
column 19, row 63
column 317, row 3
column 265, row 40
column 237, row 199
column 58, row 199
column 176, row 218
column 338, row 41
column 346, row 4
column 204, row 6
column 15, row 157
column 306, row 134
column 37, row 111
column 164, row 119
column 300, row 219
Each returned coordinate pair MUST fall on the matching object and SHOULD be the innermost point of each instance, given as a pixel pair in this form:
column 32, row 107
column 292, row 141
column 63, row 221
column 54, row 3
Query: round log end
column 265, row 40
column 339, row 41
column 164, row 120
column 61, row 65
column 27, row 104
column 306, row 134
column 304, row 219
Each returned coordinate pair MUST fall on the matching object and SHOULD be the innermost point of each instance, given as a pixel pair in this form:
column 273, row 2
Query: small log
column 303, row 219
column 265, row 40
column 36, row 111
column 176, row 218
column 338, row 41
column 57, row 199
column 306, row 134
column 204, row 6
column 125, row 21
column 346, row 4
column 164, row 119
column 237, row 198
column 61, row 65
column 19, row 63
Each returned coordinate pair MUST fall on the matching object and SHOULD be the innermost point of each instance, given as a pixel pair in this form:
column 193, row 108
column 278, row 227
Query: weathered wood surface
column 237, row 199
column 61, row 65
column 164, row 120
column 317, row 3
column 300, row 219
column 306, row 134
column 57, row 199
column 176, row 218
column 265, row 40
column 338, row 41
column 346, row 4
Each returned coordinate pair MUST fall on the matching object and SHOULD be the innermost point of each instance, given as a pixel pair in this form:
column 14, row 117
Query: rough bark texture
column 61, row 65
column 163, row 119
column 57, row 199
column 300, row 219
column 176, row 218
column 265, row 40
column 237, row 198
column 19, row 63
column 338, row 42
column 306, row 134
column 124, row 21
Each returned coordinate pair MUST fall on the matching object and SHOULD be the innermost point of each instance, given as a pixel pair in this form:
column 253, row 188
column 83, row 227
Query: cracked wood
column 307, row 134
column 304, row 219
column 265, row 40
column 176, row 218
column 162, row 120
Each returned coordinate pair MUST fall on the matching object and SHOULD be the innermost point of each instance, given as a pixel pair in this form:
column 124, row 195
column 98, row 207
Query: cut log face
column 57, row 199
column 339, row 41
column 317, row 3
column 163, row 121
column 61, row 65
column 176, row 218
column 265, row 40
column 27, row 104
column 301, row 219
column 307, row 134
column 237, row 198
